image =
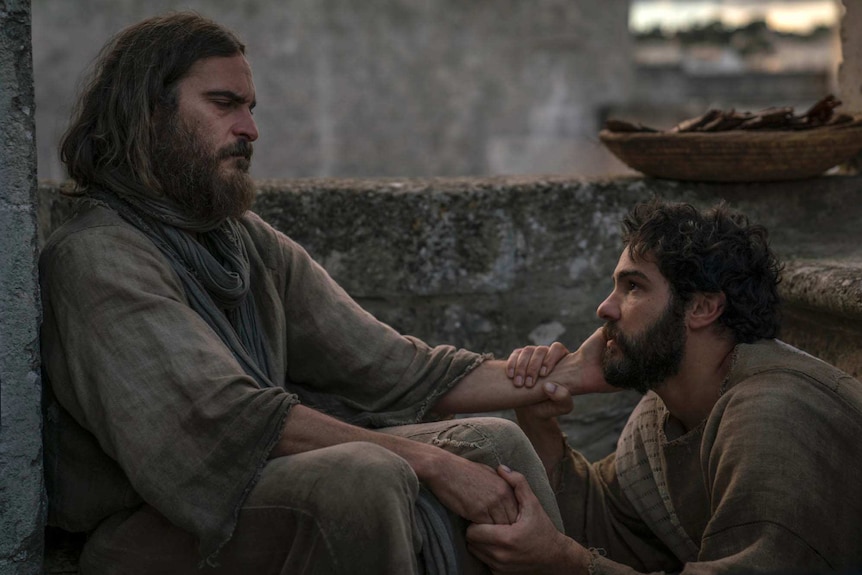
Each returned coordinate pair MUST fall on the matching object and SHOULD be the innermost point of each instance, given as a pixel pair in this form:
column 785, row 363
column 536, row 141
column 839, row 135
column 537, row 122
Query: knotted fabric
column 214, row 272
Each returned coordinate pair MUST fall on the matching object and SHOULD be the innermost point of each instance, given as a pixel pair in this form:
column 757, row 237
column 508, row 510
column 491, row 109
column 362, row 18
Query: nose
column 246, row 127
column 608, row 310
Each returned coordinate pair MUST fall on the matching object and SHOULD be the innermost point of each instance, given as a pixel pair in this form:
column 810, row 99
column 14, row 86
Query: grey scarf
column 214, row 272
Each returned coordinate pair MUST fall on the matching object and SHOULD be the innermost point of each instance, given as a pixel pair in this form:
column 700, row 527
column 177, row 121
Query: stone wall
column 21, row 493
column 850, row 70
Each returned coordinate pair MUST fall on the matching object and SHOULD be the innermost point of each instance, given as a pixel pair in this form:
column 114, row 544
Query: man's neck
column 691, row 394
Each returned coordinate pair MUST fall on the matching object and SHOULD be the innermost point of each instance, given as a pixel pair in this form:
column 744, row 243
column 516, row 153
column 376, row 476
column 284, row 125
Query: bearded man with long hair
column 214, row 399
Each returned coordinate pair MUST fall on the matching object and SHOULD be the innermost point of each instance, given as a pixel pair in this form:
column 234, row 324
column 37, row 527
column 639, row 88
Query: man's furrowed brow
column 231, row 96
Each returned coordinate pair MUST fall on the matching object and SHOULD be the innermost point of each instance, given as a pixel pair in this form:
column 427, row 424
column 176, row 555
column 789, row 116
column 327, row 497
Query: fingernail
column 544, row 370
column 506, row 468
column 529, row 381
column 550, row 387
column 519, row 380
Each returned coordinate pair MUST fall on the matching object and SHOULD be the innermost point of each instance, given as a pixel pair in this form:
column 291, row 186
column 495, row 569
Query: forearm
column 306, row 429
column 471, row 490
column 487, row 388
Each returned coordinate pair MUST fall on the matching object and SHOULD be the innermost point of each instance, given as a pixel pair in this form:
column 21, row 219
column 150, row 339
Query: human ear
column 705, row 309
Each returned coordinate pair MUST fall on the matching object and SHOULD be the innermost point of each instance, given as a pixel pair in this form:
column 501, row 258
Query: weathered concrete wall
column 493, row 264
column 21, row 493
column 385, row 87
column 850, row 70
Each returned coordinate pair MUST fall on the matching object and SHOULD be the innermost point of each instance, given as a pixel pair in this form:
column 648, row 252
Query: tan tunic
column 769, row 481
column 150, row 404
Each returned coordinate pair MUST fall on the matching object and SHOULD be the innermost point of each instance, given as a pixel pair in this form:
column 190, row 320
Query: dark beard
column 649, row 359
column 190, row 173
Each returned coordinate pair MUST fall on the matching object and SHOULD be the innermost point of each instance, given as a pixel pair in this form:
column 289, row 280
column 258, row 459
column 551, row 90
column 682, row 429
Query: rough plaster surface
column 824, row 309
column 831, row 286
column 21, row 495
column 385, row 87
column 850, row 70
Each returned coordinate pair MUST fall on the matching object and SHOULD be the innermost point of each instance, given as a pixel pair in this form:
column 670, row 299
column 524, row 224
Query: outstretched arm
column 488, row 387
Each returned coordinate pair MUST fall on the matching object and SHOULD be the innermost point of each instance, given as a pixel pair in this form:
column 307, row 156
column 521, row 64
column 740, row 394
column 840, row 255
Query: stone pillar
column 22, row 500
column 850, row 70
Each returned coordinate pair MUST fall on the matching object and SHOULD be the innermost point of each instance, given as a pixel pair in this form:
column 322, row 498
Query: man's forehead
column 221, row 73
column 641, row 265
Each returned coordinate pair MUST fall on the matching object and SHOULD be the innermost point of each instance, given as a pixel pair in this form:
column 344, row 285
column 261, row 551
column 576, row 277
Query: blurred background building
column 451, row 88
column 693, row 55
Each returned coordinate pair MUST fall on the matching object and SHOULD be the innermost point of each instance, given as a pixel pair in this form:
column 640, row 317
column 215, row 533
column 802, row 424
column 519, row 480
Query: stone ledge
column 833, row 287
column 823, row 310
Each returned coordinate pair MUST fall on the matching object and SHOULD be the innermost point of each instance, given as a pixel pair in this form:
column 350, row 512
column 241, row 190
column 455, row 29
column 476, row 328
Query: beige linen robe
column 147, row 403
column 770, row 481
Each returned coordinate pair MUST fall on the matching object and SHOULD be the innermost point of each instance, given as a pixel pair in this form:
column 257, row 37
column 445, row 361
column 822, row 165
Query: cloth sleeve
column 152, row 383
column 597, row 514
column 335, row 348
column 776, row 450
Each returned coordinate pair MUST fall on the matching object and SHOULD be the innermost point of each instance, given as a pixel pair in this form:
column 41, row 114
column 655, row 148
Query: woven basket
column 736, row 155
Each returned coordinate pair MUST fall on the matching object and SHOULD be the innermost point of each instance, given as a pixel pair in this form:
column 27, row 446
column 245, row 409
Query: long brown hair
column 109, row 139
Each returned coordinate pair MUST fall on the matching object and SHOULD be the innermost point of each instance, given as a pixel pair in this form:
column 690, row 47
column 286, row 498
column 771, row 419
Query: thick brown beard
column 645, row 361
column 191, row 175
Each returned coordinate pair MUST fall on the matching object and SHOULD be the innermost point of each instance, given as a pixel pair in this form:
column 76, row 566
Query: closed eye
column 226, row 100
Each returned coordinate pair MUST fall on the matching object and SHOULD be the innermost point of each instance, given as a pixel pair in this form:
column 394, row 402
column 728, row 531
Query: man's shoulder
column 776, row 358
column 782, row 416
column 91, row 225
column 771, row 375
column 96, row 241
column 777, row 444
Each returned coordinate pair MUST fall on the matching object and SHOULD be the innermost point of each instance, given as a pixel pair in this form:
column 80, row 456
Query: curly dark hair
column 109, row 139
column 711, row 251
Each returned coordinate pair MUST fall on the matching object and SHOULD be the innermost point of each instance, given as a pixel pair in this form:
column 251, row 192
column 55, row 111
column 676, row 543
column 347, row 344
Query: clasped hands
column 554, row 367
column 532, row 544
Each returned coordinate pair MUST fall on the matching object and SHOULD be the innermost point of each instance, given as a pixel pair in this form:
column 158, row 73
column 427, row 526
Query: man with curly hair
column 744, row 453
